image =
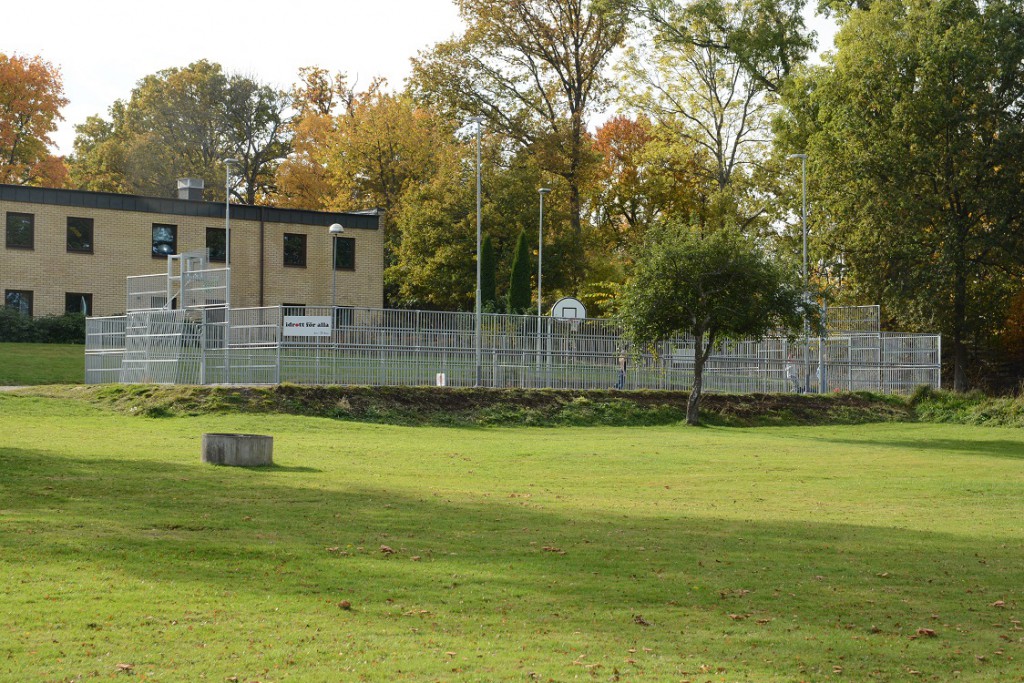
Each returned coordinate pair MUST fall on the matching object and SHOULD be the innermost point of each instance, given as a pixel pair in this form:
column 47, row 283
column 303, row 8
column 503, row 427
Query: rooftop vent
column 190, row 188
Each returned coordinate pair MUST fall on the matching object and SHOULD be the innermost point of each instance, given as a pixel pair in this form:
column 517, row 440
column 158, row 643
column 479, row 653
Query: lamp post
column 335, row 230
column 478, row 120
column 540, row 263
column 227, row 228
column 227, row 269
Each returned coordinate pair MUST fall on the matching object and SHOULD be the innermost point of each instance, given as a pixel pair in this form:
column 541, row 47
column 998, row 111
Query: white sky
column 103, row 47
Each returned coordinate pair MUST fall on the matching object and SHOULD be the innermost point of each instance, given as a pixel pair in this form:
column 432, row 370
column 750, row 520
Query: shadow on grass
column 271, row 469
column 502, row 558
column 998, row 448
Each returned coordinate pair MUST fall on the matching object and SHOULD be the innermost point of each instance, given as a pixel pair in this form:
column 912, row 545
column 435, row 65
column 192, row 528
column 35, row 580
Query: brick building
column 69, row 250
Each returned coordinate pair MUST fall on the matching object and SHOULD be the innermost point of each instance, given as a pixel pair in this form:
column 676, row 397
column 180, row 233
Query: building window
column 295, row 250
column 216, row 242
column 77, row 302
column 165, row 240
column 21, row 230
column 19, row 300
column 344, row 253
column 80, row 235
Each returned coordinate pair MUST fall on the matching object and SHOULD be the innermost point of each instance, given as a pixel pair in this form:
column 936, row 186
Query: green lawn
column 23, row 364
column 879, row 552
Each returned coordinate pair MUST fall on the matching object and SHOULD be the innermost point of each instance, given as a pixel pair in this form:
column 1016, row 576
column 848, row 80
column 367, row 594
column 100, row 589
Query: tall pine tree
column 488, row 277
column 519, row 289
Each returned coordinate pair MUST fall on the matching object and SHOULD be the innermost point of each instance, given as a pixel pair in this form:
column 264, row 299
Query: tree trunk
column 960, row 313
column 693, row 404
column 576, row 257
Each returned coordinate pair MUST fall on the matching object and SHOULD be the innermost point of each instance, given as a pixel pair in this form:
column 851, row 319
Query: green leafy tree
column 519, row 290
column 184, row 122
column 916, row 154
column 709, row 82
column 710, row 287
column 488, row 276
column 766, row 39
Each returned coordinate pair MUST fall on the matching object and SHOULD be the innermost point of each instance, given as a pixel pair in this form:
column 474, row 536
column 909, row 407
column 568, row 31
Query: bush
column 49, row 329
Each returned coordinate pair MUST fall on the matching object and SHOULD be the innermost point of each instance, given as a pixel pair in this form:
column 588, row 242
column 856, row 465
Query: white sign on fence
column 307, row 326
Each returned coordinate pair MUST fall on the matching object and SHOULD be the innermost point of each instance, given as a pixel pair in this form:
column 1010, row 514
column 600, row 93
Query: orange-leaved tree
column 31, row 96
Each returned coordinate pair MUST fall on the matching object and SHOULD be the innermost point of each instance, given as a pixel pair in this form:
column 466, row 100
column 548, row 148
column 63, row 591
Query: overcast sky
column 103, row 47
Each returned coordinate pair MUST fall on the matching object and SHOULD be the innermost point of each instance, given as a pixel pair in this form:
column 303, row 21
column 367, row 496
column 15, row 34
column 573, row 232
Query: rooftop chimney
column 190, row 188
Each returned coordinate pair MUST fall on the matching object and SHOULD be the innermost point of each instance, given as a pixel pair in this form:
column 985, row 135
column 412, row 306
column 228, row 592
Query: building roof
column 359, row 220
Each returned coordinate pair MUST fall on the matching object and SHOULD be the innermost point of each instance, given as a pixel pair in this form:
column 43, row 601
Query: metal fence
column 382, row 347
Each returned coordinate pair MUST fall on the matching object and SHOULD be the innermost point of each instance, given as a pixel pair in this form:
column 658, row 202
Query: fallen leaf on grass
column 639, row 619
column 125, row 667
column 387, row 550
column 345, row 604
column 737, row 617
column 926, row 632
column 553, row 549
column 999, row 603
column 416, row 558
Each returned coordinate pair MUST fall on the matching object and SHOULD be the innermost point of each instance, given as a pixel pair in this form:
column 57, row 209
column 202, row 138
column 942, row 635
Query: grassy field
column 373, row 552
column 41, row 364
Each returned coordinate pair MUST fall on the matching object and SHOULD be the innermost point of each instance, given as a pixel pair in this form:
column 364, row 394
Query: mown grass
column 659, row 554
column 28, row 364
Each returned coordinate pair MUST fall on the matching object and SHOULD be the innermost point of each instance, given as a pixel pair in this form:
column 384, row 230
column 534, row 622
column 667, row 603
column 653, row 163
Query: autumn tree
column 915, row 143
column 641, row 180
column 535, row 70
column 31, row 97
column 304, row 178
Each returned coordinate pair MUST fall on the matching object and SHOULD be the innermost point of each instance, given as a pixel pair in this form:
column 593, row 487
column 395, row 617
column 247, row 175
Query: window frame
column 31, row 231
column 348, row 241
column 305, row 249
column 223, row 232
column 153, row 242
column 21, row 292
column 88, row 302
column 92, row 235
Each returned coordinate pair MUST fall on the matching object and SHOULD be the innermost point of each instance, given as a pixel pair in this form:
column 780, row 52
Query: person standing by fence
column 623, row 359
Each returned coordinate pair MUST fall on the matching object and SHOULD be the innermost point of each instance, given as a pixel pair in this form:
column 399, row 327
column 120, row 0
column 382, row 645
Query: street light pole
column 540, row 264
column 227, row 228
column 227, row 270
column 335, row 230
column 478, row 120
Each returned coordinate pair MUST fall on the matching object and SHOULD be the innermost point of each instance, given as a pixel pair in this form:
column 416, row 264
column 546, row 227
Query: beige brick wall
column 122, row 246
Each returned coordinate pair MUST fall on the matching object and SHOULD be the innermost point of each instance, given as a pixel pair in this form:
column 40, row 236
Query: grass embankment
column 489, row 407
column 25, row 364
column 378, row 552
